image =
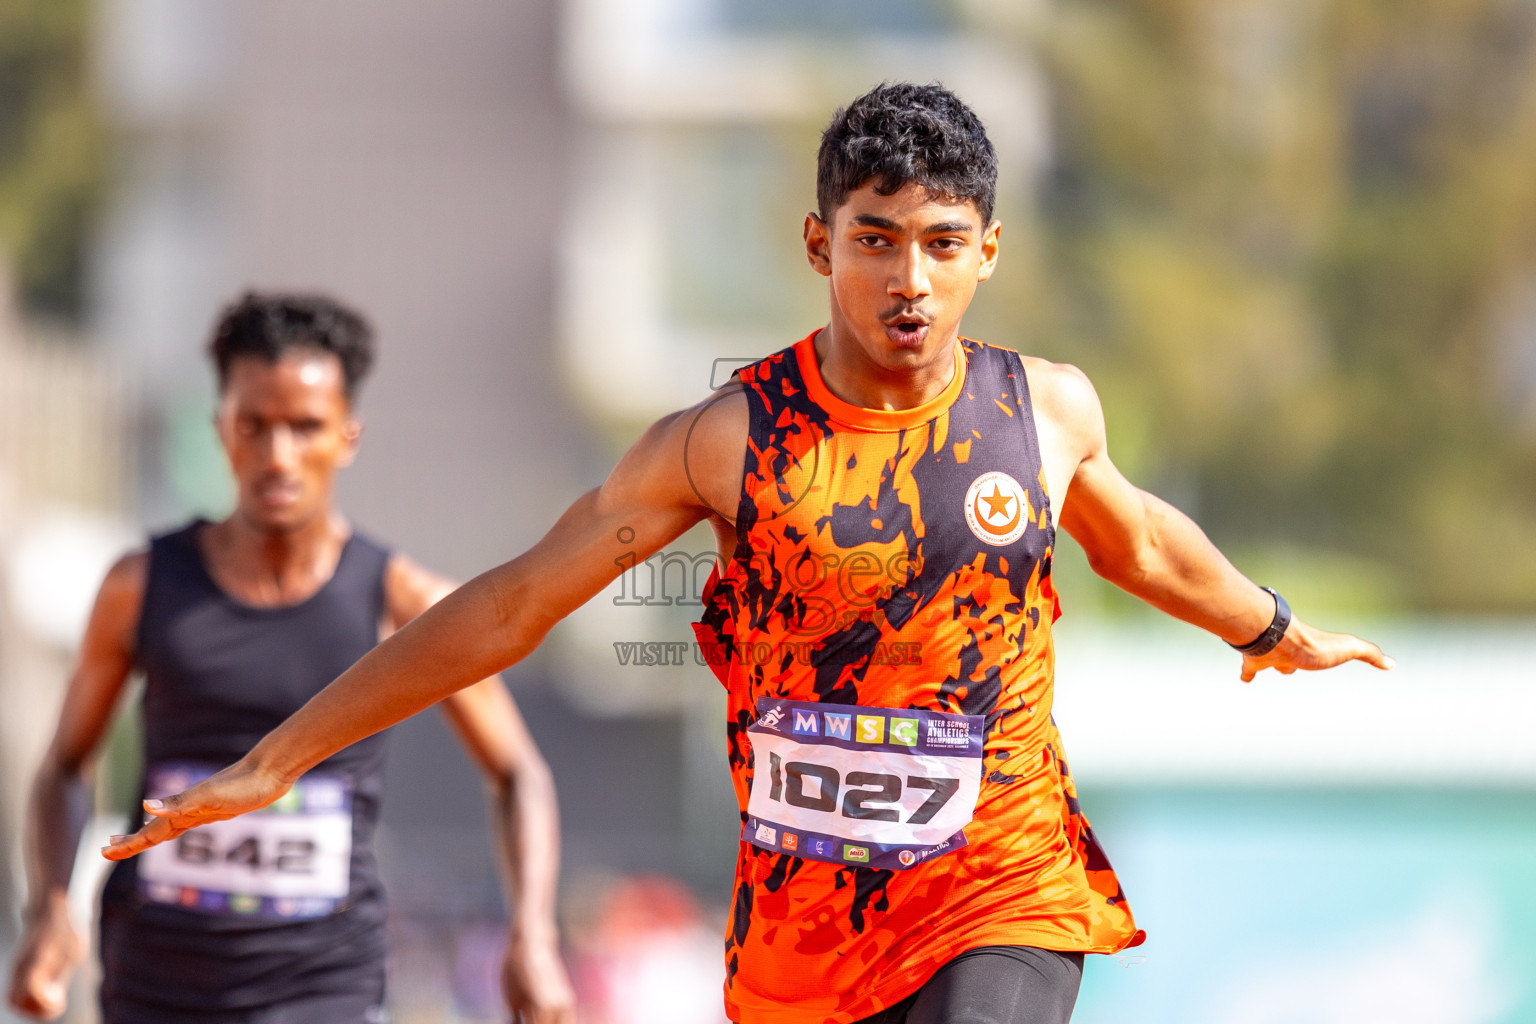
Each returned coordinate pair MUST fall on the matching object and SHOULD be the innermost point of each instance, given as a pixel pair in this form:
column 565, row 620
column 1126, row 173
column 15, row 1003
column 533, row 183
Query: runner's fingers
column 535, row 1000
column 28, row 1003
column 153, row 833
column 48, row 999
column 1343, row 647
column 20, row 996
column 1373, row 655
column 186, row 810
column 37, row 995
column 176, row 805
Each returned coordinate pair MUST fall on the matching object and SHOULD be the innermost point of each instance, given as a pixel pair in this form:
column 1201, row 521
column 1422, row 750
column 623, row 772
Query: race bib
column 872, row 787
column 291, row 859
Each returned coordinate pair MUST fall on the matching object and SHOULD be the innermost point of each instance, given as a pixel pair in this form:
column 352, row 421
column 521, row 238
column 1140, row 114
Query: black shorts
column 994, row 985
column 362, row 1007
column 161, row 966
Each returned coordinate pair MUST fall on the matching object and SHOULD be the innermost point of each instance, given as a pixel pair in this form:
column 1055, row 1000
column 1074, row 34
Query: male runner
column 278, row 918
column 885, row 495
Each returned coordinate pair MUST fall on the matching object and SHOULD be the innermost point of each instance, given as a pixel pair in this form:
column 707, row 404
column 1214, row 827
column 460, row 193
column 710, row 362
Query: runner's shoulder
column 120, row 600
column 713, row 428
column 720, row 417
column 1062, row 393
column 707, row 441
column 128, row 576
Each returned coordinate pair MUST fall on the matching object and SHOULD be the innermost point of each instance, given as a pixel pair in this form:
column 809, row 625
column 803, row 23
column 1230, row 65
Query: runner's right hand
column 537, row 988
column 237, row 789
column 48, row 953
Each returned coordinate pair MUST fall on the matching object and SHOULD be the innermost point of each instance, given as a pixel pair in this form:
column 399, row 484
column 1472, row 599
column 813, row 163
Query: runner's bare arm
column 663, row 485
column 1152, row 550
column 60, row 800
column 523, row 812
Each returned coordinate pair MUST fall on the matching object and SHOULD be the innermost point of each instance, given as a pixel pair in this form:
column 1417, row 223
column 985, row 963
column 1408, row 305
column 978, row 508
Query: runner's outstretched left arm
column 1147, row 547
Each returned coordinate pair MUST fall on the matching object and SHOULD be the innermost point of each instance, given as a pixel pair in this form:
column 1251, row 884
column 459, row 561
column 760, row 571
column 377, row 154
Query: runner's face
column 286, row 428
column 903, row 269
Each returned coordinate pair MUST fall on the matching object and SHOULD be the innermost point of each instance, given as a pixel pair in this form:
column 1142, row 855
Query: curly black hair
column 269, row 325
column 898, row 134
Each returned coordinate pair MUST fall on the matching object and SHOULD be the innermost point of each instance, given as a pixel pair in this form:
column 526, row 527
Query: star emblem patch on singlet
column 997, row 509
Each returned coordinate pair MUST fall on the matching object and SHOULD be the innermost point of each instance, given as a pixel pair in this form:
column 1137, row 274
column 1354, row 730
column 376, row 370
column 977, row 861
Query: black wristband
column 1270, row 638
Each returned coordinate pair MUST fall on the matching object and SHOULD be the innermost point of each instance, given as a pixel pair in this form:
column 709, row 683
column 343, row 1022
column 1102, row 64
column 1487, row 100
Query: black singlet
column 219, row 675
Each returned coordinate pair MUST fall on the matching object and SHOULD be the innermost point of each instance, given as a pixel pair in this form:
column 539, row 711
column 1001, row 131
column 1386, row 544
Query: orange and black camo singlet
column 894, row 560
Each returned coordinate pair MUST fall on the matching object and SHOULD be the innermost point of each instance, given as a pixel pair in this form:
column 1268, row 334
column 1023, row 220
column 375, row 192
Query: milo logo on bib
column 871, row 787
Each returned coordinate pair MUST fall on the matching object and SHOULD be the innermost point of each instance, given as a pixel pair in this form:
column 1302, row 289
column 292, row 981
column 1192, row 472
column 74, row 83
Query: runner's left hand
column 237, row 789
column 1308, row 649
column 537, row 988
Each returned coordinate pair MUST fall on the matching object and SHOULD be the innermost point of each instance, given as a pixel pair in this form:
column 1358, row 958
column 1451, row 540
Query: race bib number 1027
column 869, row 787
column 291, row 859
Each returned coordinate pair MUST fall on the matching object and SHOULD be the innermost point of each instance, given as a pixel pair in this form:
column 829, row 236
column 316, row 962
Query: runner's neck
column 268, row 568
column 854, row 378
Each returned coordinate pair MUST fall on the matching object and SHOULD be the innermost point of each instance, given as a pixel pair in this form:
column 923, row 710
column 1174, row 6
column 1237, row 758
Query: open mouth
column 907, row 330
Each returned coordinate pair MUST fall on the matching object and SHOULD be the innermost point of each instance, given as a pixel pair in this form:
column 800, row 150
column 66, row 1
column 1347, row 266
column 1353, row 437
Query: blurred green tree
column 1294, row 244
column 51, row 151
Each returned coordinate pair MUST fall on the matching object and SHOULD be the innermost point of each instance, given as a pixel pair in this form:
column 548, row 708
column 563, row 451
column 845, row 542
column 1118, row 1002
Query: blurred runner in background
column 885, row 495
column 277, row 917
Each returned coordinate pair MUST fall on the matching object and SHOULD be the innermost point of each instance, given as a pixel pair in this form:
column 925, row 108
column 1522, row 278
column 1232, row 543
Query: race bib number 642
column 864, row 786
column 289, row 860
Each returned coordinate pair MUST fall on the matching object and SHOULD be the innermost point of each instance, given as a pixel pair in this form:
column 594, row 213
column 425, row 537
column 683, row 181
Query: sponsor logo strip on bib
column 290, row 860
column 863, row 786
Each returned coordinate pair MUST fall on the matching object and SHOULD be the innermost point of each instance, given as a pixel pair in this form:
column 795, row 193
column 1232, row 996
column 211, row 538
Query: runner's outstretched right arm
column 489, row 623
